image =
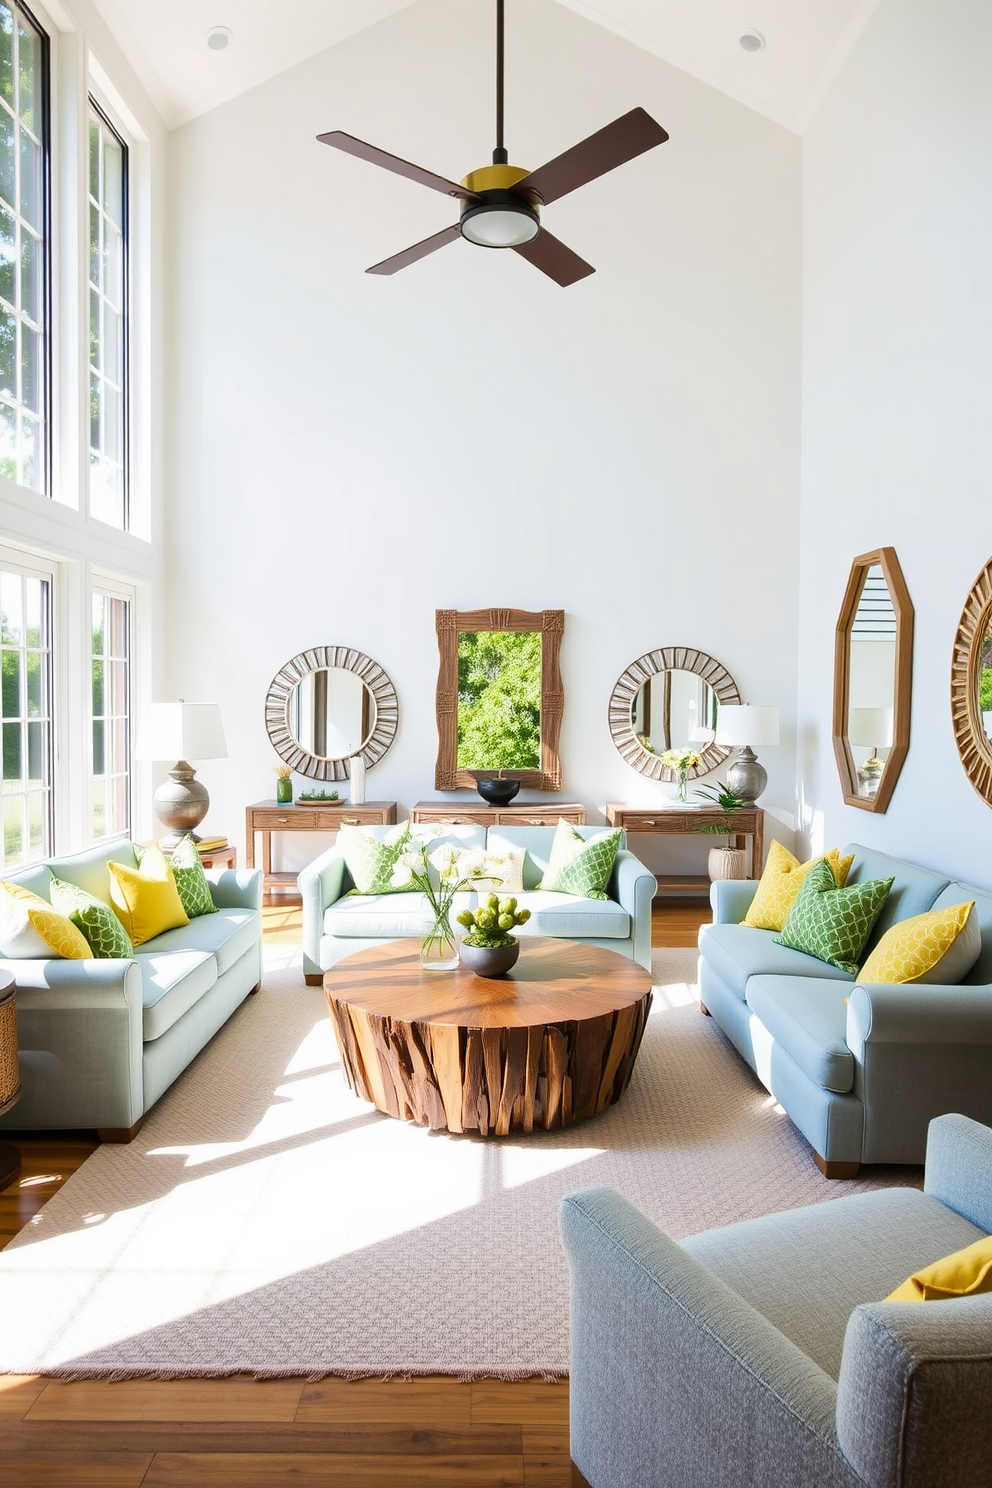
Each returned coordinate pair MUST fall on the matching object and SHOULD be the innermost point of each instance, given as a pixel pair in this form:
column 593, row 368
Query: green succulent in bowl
column 490, row 923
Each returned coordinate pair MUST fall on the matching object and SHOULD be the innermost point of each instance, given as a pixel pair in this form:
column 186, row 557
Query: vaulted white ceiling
column 806, row 41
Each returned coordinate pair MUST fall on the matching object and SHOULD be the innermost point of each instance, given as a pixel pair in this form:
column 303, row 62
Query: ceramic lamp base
column 181, row 803
column 746, row 777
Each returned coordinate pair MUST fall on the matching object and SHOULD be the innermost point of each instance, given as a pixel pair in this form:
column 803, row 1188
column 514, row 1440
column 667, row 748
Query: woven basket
column 10, row 1071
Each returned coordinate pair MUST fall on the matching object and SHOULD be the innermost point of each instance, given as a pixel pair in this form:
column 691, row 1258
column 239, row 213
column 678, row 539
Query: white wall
column 349, row 452
column 897, row 381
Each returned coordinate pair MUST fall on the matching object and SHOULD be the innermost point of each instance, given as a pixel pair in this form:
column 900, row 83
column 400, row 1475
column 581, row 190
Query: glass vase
column 284, row 790
column 680, row 784
column 438, row 946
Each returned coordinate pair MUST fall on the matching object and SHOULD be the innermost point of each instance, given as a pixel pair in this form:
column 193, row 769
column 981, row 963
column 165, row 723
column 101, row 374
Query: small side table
column 219, row 857
column 10, row 1074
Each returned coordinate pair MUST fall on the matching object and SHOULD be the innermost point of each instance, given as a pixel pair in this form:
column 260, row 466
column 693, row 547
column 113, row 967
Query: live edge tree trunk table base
column 551, row 1043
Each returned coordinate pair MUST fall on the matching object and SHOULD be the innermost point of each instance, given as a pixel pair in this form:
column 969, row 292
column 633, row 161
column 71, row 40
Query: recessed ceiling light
column 218, row 37
column 752, row 41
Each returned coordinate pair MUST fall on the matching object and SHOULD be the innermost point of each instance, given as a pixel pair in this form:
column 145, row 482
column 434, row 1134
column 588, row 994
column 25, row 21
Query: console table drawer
column 293, row 820
column 454, row 818
column 524, row 813
column 350, row 816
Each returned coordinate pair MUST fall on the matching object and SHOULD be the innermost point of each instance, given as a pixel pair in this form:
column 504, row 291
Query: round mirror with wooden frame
column 327, row 705
column 971, row 685
column 662, row 699
column 873, row 680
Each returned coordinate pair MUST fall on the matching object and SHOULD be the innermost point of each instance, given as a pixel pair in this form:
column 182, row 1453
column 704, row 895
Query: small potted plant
column 489, row 949
column 726, row 861
column 284, row 785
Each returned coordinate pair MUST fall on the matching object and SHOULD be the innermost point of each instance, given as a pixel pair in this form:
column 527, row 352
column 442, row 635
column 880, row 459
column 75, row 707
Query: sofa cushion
column 146, row 897
column 832, row 923
column 370, row 916
column 31, row 929
column 913, row 890
column 940, row 947
column 781, row 879
column 581, row 865
column 88, row 870
column 226, row 935
column 807, row 1017
column 964, row 1273
column 980, row 974
column 104, row 932
column 568, row 917
column 171, row 982
column 736, row 952
column 537, row 842
column 191, row 881
column 370, row 859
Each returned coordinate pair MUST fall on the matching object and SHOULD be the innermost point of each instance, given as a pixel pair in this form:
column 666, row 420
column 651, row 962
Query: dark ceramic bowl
column 489, row 961
column 497, row 792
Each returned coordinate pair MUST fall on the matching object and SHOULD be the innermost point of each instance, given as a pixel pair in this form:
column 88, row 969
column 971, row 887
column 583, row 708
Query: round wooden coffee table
column 551, row 1043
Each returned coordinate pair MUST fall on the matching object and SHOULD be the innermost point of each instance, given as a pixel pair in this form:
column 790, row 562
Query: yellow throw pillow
column 781, row 881
column 30, row 929
column 963, row 1274
column 941, row 946
column 59, row 934
column 145, row 899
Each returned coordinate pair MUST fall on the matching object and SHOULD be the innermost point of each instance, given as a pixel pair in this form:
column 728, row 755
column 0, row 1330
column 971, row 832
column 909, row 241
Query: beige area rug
column 266, row 1220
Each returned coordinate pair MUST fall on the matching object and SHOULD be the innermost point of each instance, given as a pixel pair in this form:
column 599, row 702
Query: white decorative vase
column 727, row 862
column 356, row 775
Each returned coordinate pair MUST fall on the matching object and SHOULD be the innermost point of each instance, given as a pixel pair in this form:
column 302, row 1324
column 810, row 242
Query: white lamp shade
column 870, row 726
column 746, row 723
column 182, row 731
column 700, row 735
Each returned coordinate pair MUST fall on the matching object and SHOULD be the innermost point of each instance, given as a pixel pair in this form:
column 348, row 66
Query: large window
column 26, row 662
column 108, row 320
column 111, row 716
column 24, row 380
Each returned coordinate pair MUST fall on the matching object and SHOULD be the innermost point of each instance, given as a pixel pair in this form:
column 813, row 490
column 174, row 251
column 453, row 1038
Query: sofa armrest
column 321, row 883
column 235, row 888
column 731, row 899
column 634, row 886
column 658, row 1343
column 79, row 1032
column 919, row 1051
column 913, row 1395
column 959, row 1167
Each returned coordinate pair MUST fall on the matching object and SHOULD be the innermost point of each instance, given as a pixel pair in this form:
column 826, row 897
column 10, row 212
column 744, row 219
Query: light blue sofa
column 335, row 925
column 861, row 1070
column 101, row 1040
column 763, row 1356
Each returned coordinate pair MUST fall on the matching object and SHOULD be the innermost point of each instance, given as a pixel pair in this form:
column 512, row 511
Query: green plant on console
column 727, row 800
column 490, row 923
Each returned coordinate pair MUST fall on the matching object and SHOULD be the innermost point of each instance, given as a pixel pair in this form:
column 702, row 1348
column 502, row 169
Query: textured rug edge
column 69, row 1375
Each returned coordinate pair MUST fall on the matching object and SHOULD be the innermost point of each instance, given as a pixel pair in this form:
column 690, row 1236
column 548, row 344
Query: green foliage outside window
column 499, row 700
column 985, row 690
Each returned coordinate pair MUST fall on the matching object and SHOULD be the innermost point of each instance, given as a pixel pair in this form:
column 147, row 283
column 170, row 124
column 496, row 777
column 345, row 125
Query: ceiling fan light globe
column 500, row 225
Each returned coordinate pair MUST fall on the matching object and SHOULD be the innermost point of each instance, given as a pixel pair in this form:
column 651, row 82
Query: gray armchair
column 762, row 1356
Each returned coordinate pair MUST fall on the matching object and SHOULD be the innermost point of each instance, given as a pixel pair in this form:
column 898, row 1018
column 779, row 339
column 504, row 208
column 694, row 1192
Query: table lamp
column 181, row 732
column 870, row 728
column 743, row 725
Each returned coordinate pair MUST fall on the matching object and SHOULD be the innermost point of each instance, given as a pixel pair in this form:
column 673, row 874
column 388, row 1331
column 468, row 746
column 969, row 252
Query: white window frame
column 94, row 105
column 101, row 584
column 15, row 561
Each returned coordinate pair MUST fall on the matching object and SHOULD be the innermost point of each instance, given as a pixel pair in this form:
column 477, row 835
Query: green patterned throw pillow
column 581, row 865
column 106, row 935
column 191, row 881
column 833, row 924
column 371, row 860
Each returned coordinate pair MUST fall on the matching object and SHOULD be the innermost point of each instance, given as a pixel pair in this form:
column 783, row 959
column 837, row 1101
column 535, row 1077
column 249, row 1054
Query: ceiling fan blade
column 550, row 255
column 626, row 137
column 419, row 250
column 375, row 156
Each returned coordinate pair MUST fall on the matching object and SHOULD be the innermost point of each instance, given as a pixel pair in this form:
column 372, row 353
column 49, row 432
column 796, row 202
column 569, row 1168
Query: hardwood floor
column 245, row 1433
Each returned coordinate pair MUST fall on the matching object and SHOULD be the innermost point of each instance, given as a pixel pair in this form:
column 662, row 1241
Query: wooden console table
column 267, row 817
column 675, row 822
column 524, row 813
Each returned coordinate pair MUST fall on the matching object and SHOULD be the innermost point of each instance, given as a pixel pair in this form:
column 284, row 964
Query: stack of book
column 211, row 844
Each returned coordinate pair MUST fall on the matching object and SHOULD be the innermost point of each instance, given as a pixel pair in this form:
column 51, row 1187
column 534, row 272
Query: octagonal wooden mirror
column 873, row 679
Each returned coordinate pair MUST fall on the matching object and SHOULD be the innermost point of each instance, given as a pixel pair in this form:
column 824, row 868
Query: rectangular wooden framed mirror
column 499, row 697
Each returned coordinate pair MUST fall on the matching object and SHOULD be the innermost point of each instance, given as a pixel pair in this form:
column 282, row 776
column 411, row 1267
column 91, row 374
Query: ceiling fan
column 501, row 203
